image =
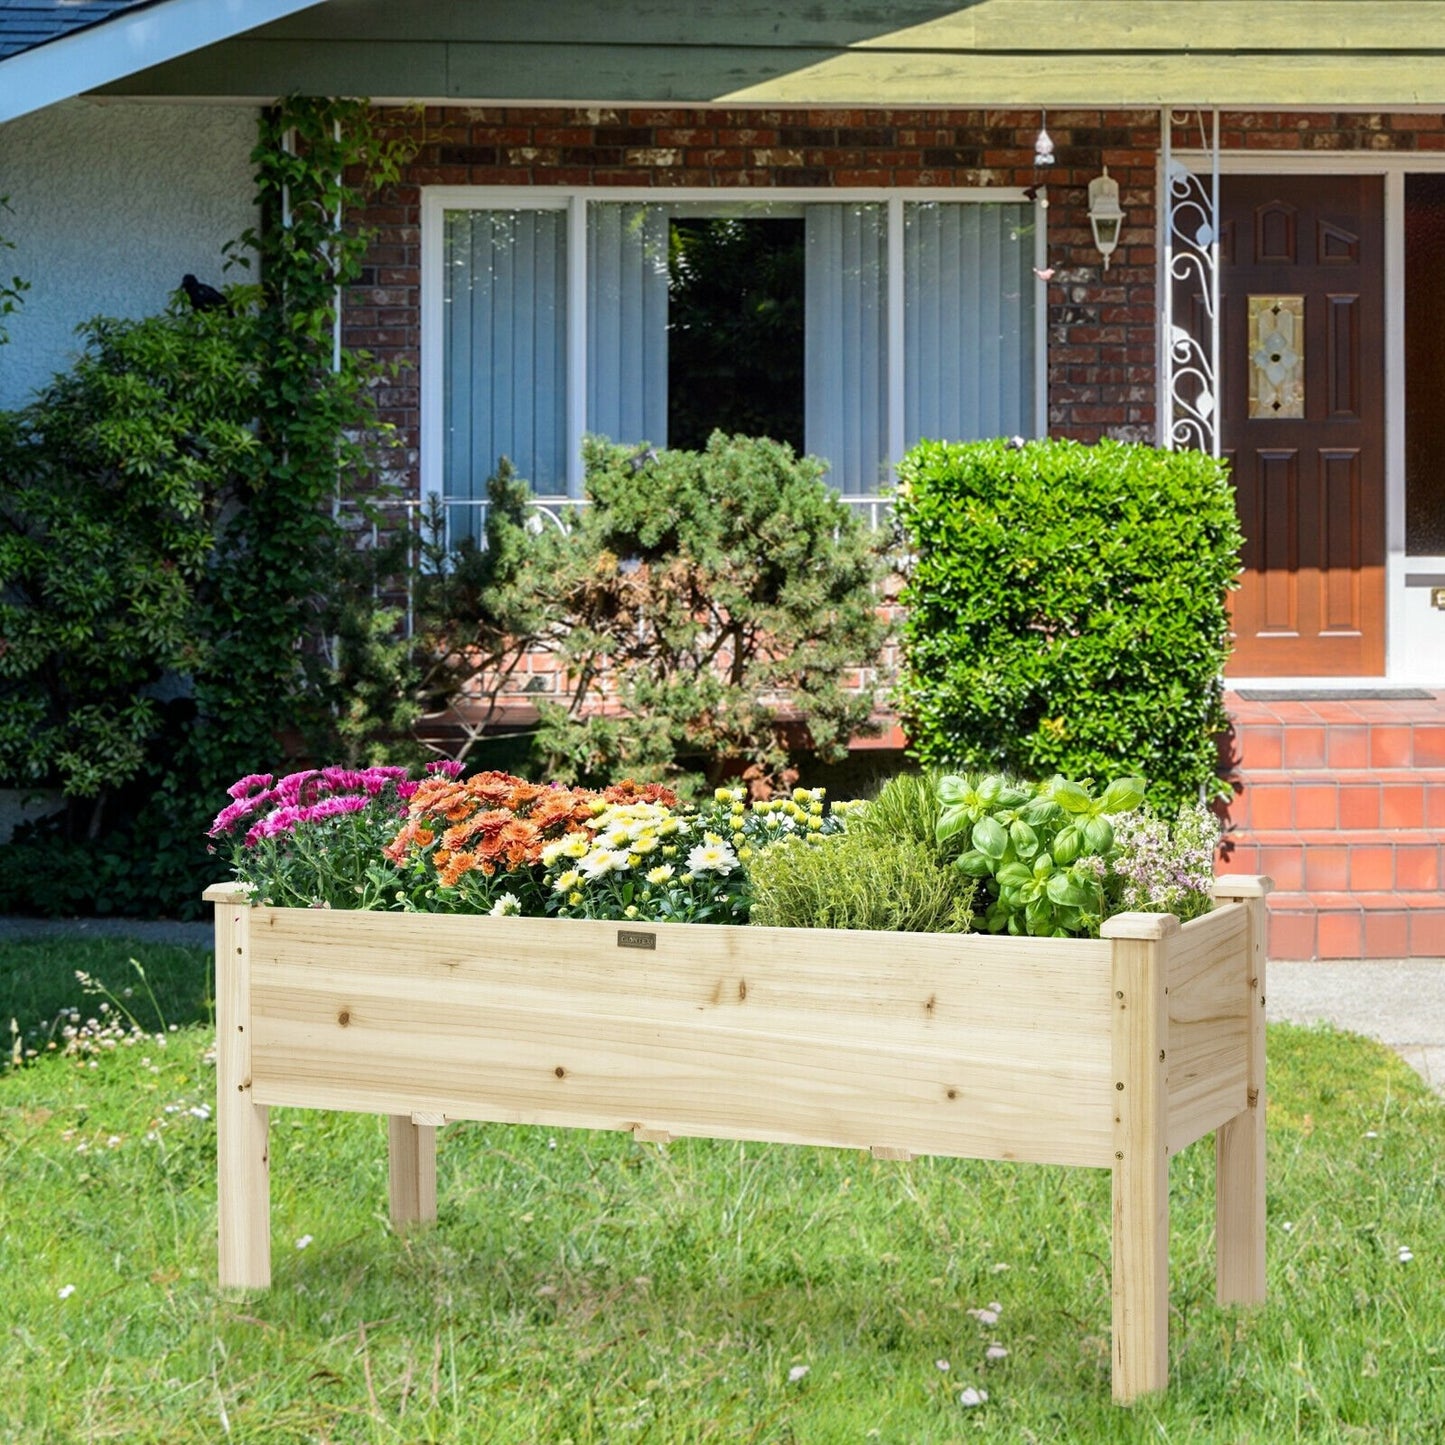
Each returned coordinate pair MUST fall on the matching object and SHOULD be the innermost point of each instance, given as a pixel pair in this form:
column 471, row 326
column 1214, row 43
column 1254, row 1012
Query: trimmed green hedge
column 1066, row 610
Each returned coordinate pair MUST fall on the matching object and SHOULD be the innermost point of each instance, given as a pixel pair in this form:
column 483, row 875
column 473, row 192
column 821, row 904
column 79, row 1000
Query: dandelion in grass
column 987, row 1316
column 303, row 1241
column 1371, row 1134
column 995, row 1352
column 1406, row 1254
column 507, row 906
column 65, row 1291
column 942, row 1365
column 797, row 1373
column 970, row 1397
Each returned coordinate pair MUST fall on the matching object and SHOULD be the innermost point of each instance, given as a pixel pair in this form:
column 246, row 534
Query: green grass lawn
column 581, row 1287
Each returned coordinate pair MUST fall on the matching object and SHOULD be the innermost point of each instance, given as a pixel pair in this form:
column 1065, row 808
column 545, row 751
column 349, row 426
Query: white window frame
column 436, row 201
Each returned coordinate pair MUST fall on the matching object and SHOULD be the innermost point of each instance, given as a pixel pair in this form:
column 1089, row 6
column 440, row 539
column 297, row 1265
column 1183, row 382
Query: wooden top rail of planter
column 1113, row 1052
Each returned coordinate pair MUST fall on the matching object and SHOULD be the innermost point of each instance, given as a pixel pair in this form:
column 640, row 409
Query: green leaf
column 1025, row 840
column 974, row 864
column 1071, row 797
column 1066, row 845
column 1123, row 795
column 990, row 838
column 1098, row 835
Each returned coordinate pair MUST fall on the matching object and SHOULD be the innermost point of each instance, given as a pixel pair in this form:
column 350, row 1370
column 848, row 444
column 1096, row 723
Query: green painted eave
column 991, row 53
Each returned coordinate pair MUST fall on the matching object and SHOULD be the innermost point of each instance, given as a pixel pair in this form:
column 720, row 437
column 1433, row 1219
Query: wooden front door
column 1303, row 425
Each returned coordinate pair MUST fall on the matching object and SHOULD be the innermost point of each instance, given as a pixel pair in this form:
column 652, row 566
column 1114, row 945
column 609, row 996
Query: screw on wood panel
column 1118, row 993
column 1118, row 1154
column 1161, row 1056
column 1120, row 1087
column 560, row 1072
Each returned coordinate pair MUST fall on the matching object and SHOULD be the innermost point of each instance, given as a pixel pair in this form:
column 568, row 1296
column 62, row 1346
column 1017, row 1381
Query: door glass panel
column 1276, row 356
column 1424, row 365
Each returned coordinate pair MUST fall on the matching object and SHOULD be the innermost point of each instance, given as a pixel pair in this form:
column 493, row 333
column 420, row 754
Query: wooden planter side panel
column 1208, row 1004
column 976, row 1047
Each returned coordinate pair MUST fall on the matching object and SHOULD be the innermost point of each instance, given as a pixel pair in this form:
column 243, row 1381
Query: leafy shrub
column 699, row 601
column 860, row 879
column 166, row 537
column 1066, row 610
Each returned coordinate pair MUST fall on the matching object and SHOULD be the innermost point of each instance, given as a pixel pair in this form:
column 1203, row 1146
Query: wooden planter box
column 1112, row 1053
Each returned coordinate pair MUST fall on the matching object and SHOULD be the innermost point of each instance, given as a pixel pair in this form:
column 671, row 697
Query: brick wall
column 1101, row 325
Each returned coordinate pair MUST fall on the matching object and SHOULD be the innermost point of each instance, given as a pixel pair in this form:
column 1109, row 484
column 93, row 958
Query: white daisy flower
column 713, row 856
column 507, row 906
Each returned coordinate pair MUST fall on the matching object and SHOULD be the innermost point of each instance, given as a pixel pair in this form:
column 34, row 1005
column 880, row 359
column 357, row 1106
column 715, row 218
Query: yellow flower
column 577, row 845
column 814, row 824
column 722, row 795
column 801, row 795
column 643, row 845
column 630, row 911
column 816, row 809
column 574, row 899
column 660, row 874
column 567, row 882
column 744, row 854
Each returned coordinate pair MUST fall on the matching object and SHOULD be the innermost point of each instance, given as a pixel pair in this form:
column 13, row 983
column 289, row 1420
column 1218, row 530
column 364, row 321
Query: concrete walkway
column 1401, row 1004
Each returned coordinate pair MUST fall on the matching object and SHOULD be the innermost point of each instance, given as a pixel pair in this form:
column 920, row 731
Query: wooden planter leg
column 243, row 1162
column 412, row 1150
column 1141, row 1157
column 1239, row 1144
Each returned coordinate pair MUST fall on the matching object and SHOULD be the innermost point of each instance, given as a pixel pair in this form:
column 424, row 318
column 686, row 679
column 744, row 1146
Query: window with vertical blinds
column 504, row 357
column 918, row 319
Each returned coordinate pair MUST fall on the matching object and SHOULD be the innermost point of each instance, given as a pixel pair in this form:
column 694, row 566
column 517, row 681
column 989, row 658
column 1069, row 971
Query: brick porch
column 1342, row 803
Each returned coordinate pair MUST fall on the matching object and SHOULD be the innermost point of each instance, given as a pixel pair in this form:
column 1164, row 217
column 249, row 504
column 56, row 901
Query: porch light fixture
column 1106, row 216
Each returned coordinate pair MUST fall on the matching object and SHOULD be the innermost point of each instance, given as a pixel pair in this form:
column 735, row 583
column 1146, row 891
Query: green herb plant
column 1042, row 850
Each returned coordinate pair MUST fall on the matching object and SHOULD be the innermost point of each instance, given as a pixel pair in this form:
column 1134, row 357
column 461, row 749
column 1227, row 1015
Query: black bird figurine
column 203, row 297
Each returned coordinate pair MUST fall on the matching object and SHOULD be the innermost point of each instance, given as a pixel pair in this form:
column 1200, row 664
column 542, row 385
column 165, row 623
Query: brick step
column 1350, row 798
column 1307, row 925
column 1254, row 745
column 1358, row 861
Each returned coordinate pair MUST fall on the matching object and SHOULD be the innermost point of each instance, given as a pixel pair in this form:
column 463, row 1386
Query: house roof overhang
column 78, row 53
column 1005, row 54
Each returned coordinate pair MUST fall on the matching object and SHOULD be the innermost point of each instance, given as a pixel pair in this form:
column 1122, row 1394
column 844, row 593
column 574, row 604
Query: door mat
column 1329, row 694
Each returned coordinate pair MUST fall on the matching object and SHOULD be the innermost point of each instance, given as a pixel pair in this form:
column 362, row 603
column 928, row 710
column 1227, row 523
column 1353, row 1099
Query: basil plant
column 1042, row 850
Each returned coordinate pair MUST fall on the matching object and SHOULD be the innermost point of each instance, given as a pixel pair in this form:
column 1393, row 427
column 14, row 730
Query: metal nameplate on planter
column 630, row 938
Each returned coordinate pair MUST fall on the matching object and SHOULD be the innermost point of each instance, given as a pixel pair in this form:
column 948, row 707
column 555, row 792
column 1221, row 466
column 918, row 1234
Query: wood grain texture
column 1141, row 1170
column 1208, row 967
column 981, row 1047
column 1239, row 1145
column 243, row 1164
column 412, row 1173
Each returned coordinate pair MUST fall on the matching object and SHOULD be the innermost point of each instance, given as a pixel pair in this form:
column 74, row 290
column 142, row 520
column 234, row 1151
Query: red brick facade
column 1101, row 325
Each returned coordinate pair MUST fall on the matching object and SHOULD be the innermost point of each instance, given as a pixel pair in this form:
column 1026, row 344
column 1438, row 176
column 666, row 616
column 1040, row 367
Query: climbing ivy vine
column 172, row 566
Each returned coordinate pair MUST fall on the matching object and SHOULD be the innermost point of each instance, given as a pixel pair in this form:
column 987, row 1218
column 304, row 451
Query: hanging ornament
column 1043, row 144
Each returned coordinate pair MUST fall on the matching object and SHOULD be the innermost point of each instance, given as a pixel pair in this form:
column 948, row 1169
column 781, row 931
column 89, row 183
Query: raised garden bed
column 1112, row 1053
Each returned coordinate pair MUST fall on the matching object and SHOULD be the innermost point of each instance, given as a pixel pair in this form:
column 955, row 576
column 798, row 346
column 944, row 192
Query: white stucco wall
column 111, row 204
